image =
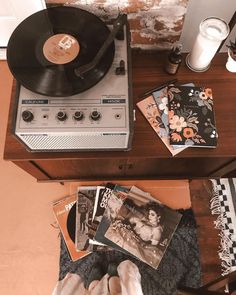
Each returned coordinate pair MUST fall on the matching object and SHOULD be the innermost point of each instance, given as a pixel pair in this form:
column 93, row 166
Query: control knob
column 95, row 115
column 61, row 116
column 78, row 115
column 27, row 116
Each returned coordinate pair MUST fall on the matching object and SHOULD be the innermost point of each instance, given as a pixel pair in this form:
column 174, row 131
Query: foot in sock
column 112, row 269
column 96, row 273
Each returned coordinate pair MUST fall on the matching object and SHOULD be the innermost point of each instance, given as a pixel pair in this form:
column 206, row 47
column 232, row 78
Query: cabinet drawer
column 173, row 168
column 82, row 169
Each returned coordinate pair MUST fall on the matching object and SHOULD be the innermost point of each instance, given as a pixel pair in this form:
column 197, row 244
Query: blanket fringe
column 223, row 252
column 215, row 204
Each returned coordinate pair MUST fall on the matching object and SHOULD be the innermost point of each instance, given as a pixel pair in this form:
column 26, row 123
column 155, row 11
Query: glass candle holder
column 212, row 31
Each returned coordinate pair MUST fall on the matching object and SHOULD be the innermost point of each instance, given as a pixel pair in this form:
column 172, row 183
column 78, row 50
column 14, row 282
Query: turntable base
column 149, row 158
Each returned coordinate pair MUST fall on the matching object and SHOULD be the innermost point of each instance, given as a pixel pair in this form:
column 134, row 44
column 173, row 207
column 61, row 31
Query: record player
column 74, row 81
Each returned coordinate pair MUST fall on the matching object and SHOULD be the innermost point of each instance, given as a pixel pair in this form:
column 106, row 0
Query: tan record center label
column 61, row 49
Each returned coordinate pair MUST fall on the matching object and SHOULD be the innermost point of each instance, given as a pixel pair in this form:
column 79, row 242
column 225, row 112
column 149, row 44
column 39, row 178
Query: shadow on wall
column 154, row 24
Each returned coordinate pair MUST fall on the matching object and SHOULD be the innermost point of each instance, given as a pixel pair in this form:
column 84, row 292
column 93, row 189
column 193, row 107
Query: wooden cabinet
column 174, row 168
column 148, row 158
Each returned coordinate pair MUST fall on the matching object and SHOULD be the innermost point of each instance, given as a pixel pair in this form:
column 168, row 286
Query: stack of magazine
column 114, row 217
column 182, row 116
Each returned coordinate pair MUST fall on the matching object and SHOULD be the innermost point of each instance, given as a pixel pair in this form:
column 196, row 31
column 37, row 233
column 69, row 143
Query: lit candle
column 212, row 31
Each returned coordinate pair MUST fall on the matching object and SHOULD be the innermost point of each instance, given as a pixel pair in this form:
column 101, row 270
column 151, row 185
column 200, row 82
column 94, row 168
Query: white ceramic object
column 212, row 31
column 231, row 63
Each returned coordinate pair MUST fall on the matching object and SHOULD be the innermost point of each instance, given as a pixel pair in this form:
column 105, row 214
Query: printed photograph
column 144, row 230
column 84, row 214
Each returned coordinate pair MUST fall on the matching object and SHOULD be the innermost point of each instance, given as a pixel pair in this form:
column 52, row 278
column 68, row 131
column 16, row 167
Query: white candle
column 212, row 31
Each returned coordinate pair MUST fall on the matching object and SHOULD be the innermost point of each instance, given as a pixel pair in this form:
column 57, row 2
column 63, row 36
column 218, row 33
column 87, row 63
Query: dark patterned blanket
column 223, row 205
column 180, row 265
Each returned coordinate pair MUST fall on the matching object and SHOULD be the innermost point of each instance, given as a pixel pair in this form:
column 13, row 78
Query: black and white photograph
column 102, row 195
column 84, row 214
column 143, row 230
column 113, row 205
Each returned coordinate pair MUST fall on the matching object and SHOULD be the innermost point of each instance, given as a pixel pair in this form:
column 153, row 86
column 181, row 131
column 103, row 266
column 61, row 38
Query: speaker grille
column 73, row 142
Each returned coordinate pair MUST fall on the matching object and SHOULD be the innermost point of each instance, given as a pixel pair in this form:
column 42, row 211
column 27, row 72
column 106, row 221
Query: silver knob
column 78, row 115
column 61, row 116
column 95, row 115
column 27, row 116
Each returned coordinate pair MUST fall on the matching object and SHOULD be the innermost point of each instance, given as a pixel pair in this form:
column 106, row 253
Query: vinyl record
column 71, row 219
column 47, row 47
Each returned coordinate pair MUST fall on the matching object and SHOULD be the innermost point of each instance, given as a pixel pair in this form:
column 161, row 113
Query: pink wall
column 29, row 246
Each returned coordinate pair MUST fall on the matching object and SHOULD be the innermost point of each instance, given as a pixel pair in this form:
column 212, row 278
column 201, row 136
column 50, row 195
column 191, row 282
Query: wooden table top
column 147, row 73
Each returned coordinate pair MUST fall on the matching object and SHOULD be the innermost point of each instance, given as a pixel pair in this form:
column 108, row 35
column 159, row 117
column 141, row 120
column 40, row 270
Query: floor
column 29, row 247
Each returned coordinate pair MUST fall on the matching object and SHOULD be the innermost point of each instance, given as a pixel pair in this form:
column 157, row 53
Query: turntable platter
column 47, row 47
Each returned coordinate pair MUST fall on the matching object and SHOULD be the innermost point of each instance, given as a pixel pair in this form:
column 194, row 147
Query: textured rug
column 180, row 265
column 223, row 205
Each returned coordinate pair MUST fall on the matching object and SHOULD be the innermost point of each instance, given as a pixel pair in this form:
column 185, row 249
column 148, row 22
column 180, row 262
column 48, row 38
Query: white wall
column 200, row 9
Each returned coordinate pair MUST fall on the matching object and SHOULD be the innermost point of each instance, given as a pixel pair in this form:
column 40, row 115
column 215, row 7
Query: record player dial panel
column 76, row 115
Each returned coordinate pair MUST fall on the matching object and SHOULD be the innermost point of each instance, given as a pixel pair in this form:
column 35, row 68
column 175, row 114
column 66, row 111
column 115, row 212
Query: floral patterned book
column 191, row 117
column 157, row 117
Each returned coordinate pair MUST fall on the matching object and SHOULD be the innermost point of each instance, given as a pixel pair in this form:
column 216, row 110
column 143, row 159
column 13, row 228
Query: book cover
column 144, row 230
column 102, row 196
column 84, row 214
column 161, row 99
column 98, row 210
column 158, row 121
column 113, row 204
column 191, row 117
column 61, row 210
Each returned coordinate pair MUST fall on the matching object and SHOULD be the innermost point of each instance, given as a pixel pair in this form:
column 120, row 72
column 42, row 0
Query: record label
column 61, row 49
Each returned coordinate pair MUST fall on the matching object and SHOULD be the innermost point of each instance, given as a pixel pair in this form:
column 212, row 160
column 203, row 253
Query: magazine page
column 113, row 204
column 84, row 213
column 61, row 210
column 96, row 218
column 144, row 231
column 102, row 195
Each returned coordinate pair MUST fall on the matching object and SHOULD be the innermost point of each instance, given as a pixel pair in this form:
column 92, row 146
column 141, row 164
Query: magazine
column 113, row 203
column 61, row 209
column 102, row 196
column 144, row 230
column 84, row 213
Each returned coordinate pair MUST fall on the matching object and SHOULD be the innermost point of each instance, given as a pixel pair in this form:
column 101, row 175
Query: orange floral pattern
column 191, row 116
column 176, row 137
column 188, row 133
column 157, row 119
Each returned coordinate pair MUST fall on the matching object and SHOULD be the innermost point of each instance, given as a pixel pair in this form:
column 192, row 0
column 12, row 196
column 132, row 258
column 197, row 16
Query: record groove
column 34, row 51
